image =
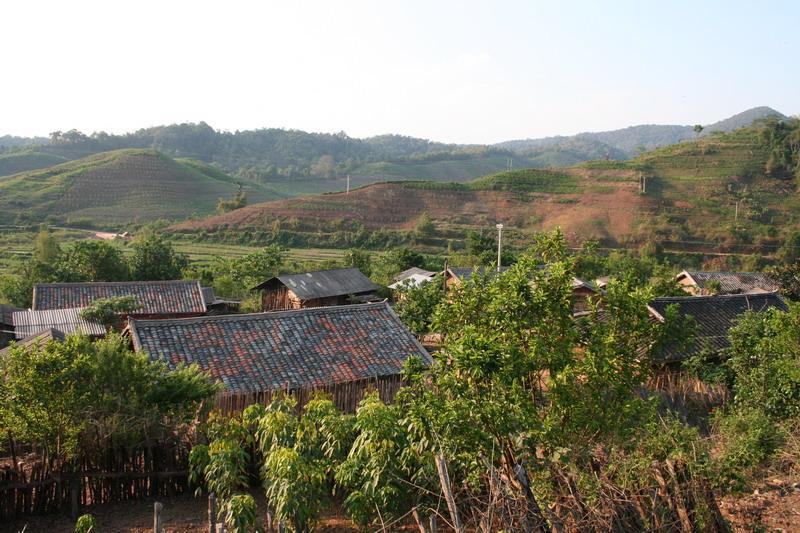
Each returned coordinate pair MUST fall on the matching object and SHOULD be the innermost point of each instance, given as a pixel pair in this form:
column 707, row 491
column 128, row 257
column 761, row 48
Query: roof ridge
column 718, row 296
column 262, row 314
column 315, row 271
column 150, row 282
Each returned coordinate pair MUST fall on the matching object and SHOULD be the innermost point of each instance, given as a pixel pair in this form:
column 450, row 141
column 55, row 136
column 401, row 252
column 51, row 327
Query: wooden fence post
column 444, row 481
column 212, row 513
column 432, row 521
column 157, row 527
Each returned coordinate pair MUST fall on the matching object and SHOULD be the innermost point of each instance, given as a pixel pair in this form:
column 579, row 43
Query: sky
column 451, row 71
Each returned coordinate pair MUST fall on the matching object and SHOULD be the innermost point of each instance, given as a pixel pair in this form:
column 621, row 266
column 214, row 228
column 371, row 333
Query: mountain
column 119, row 187
column 713, row 191
column 628, row 142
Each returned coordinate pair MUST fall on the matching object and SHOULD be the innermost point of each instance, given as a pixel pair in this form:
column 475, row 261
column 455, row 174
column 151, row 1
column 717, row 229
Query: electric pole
column 499, row 245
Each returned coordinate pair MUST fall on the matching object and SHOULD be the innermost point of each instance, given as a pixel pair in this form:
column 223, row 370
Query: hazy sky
column 458, row 71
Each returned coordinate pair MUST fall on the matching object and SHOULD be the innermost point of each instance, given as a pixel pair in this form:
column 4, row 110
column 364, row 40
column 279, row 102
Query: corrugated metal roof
column 155, row 297
column 412, row 272
column 304, row 348
column 713, row 317
column 325, row 283
column 27, row 323
column 731, row 282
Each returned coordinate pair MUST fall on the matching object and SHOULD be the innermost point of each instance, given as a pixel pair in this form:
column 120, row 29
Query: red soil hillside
column 583, row 202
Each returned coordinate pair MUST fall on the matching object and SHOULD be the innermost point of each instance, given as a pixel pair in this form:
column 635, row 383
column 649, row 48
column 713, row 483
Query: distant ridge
column 630, row 141
column 297, row 162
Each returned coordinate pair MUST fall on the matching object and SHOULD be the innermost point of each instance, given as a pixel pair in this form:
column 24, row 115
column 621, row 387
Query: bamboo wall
column 345, row 395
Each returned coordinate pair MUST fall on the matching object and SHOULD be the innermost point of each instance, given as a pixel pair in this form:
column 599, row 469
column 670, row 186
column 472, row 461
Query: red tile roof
column 302, row 348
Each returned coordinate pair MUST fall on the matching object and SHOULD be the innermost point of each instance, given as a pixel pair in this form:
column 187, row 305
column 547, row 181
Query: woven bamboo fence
column 119, row 475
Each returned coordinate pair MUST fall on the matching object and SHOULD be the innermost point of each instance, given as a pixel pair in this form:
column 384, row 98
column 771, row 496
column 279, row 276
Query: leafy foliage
column 106, row 310
column 81, row 395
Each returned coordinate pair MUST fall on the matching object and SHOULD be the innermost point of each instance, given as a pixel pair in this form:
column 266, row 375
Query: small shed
column 700, row 283
column 343, row 350
column 713, row 317
column 322, row 288
column 219, row 306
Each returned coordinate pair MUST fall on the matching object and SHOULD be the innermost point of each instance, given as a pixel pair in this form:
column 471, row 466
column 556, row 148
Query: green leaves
column 106, row 310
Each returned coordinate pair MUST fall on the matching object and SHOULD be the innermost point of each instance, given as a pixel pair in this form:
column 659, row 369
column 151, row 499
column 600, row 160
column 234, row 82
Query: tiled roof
column 413, row 271
column 325, row 283
column 155, row 297
column 713, row 317
column 302, row 348
column 27, row 323
column 40, row 338
column 731, row 282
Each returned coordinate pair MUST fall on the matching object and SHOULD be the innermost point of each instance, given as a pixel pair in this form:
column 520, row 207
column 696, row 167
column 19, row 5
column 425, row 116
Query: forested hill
column 267, row 155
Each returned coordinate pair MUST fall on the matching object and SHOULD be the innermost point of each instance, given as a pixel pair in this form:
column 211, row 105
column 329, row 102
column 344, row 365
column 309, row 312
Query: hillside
column 116, row 187
column 712, row 190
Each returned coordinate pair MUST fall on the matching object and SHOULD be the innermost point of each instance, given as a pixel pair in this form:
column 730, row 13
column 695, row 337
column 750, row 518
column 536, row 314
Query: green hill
column 117, row 187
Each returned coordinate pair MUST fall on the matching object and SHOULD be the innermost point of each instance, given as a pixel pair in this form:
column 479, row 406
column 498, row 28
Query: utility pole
column 348, row 184
column 499, row 245
column 736, row 213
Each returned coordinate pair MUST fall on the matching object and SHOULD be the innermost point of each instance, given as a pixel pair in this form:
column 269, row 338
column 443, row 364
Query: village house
column 157, row 299
column 412, row 277
column 711, row 318
column 700, row 283
column 343, row 350
column 322, row 288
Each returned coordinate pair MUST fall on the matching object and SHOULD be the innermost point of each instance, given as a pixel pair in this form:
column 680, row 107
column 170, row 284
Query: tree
column 235, row 277
column 425, row 226
column 106, row 311
column 154, row 258
column 360, row 259
column 91, row 260
column 698, row 129
column 787, row 276
column 510, row 340
column 46, row 247
column 238, row 201
column 416, row 306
